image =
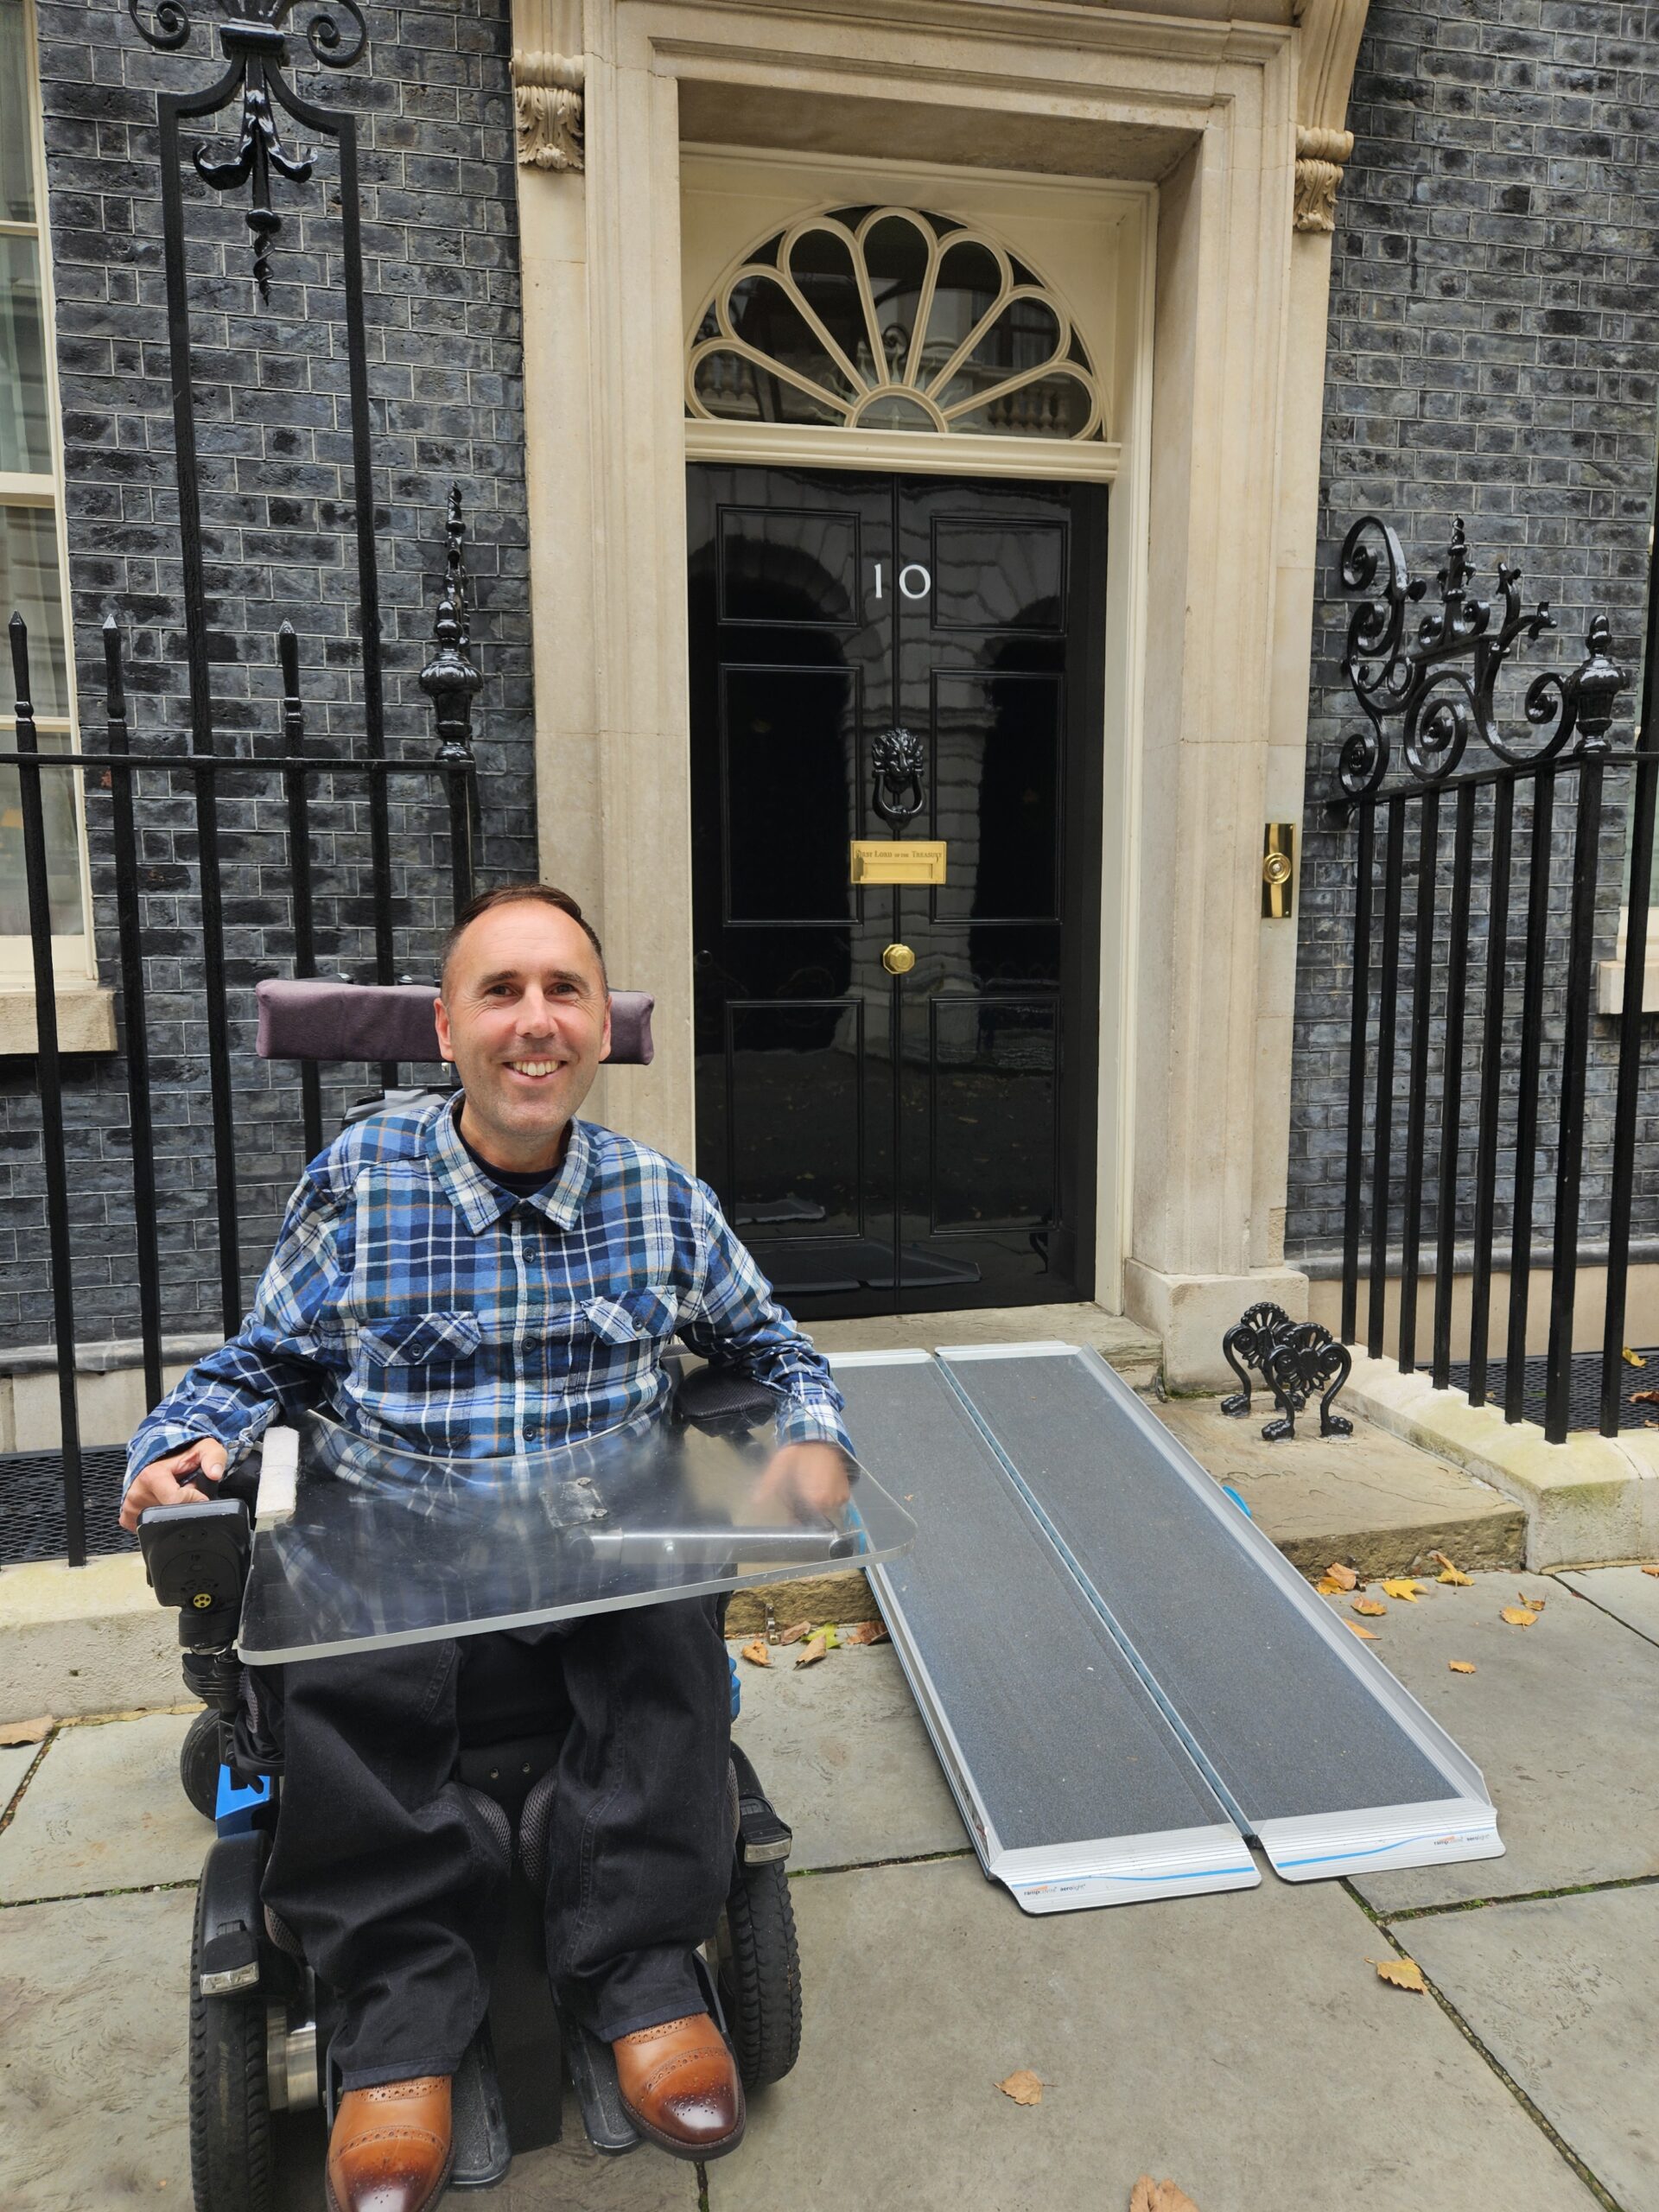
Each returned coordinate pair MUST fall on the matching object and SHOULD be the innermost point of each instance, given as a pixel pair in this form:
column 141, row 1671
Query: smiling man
column 488, row 1276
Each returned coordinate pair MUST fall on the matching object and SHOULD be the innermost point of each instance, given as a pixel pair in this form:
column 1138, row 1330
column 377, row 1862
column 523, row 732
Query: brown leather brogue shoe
column 680, row 2087
column 391, row 2147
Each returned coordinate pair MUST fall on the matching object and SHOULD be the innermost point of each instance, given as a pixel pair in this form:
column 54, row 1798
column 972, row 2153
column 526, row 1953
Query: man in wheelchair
column 478, row 1277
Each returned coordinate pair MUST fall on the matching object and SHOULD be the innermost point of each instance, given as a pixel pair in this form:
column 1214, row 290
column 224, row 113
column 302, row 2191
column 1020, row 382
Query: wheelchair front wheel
column 230, row 2098
column 199, row 1763
column 760, row 1973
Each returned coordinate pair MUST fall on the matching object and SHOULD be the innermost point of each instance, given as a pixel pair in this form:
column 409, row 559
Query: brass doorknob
column 898, row 960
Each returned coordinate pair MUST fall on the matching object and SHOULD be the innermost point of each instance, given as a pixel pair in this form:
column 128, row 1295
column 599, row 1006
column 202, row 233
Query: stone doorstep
column 1381, row 1504
column 1593, row 1500
column 77, row 1642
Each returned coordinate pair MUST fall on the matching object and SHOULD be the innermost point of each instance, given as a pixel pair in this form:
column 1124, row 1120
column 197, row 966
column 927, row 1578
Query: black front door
column 895, row 1082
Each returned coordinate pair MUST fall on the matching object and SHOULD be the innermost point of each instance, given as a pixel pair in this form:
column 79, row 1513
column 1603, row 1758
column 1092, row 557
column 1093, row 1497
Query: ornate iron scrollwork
column 897, row 760
column 1296, row 1360
column 1439, row 684
column 256, row 46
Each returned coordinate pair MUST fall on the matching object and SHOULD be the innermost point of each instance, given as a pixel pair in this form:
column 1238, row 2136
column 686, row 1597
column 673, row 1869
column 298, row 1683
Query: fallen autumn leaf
column 867, row 1633
column 1400, row 1974
column 1358, row 1628
column 1369, row 1606
column 1633, row 1358
column 818, row 1649
column 1461, row 1666
column 1344, row 1577
column 1149, row 2196
column 1023, row 2087
column 1517, row 1615
column 1650, row 1570
column 26, row 1731
column 756, row 1653
column 795, row 1631
column 1404, row 1587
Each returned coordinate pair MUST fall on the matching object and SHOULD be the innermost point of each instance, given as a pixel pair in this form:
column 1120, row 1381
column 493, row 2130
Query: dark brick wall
column 1494, row 340
column 433, row 100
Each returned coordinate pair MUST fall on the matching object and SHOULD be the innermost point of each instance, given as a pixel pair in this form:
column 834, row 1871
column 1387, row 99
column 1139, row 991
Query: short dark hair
column 518, row 895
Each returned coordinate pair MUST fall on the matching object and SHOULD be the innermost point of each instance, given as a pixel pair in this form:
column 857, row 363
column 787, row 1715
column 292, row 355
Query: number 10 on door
column 914, row 581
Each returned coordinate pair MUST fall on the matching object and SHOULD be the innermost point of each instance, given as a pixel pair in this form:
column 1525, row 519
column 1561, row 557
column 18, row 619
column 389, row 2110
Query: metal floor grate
column 31, row 1504
column 1584, row 1392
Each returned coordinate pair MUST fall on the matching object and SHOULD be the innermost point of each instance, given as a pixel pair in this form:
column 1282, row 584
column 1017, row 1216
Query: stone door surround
column 1214, row 113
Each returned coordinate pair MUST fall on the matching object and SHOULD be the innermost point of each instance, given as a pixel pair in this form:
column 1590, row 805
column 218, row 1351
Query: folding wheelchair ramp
column 1074, row 1788
column 1312, row 1745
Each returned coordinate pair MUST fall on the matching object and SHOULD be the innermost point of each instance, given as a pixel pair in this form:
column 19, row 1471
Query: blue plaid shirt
column 415, row 1299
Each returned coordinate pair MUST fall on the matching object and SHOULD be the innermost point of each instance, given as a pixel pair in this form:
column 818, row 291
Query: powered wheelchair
column 260, row 2021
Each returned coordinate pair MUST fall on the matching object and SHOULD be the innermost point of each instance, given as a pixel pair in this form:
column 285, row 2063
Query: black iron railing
column 318, row 792
column 1488, row 879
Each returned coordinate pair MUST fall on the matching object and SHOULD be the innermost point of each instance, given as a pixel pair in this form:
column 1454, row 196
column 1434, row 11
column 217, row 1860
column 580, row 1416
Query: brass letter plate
column 898, row 860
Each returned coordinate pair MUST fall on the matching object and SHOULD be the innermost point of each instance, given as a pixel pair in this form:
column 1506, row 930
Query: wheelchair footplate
column 592, row 2067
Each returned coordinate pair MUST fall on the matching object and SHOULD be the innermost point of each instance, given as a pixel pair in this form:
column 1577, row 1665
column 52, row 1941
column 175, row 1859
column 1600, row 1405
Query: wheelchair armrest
column 722, row 1403
column 196, row 1559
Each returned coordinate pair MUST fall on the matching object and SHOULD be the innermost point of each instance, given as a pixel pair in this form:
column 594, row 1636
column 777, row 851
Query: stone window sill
column 86, row 1019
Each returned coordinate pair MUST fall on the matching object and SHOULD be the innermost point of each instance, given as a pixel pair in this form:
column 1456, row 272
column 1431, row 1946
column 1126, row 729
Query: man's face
column 526, row 1018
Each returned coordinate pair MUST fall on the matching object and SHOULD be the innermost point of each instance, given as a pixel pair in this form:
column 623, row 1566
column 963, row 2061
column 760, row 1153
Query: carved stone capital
column 547, row 96
column 1328, row 45
column 1319, row 158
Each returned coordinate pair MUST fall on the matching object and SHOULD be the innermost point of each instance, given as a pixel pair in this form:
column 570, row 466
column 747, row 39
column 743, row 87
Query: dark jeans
column 395, row 1887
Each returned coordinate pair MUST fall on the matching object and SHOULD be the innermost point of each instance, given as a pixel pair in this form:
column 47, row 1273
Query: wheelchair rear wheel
column 199, row 1763
column 230, row 2106
column 760, row 1975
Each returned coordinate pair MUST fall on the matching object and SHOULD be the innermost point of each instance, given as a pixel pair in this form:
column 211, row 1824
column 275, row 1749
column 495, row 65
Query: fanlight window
column 891, row 319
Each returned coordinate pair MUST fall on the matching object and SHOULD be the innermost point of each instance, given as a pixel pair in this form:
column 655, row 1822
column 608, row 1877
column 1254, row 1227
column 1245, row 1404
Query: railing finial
column 1440, row 685
column 449, row 679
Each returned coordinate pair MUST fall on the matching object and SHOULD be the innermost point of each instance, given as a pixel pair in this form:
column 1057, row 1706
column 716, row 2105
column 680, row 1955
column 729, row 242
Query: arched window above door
column 892, row 319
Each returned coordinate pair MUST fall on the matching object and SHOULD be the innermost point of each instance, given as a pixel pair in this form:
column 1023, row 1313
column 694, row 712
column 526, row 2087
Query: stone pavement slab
column 844, row 1748
column 16, row 1759
column 93, row 1996
column 1558, row 1718
column 1240, row 2044
column 105, row 1812
column 1561, row 1991
column 1370, row 1498
column 1630, row 1594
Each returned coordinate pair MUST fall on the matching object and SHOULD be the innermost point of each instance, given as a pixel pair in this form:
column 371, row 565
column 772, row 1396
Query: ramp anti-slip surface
column 1074, row 1788
column 1316, row 1750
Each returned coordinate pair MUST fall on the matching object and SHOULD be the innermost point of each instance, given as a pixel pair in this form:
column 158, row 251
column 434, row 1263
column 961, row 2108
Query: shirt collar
column 481, row 1202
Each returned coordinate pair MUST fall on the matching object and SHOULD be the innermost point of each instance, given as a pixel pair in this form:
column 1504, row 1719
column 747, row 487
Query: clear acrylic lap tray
column 385, row 1547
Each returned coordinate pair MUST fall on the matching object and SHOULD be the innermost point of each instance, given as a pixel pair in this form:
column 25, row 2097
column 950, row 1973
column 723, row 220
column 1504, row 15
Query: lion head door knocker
column 897, row 759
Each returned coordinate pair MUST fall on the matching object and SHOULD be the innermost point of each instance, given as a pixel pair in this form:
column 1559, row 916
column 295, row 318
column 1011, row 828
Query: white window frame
column 73, row 956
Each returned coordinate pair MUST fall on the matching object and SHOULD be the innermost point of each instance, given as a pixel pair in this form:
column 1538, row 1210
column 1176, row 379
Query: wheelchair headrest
column 311, row 1019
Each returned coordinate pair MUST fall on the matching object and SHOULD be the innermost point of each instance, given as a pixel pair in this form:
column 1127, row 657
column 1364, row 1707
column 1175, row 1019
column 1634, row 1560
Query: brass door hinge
column 1278, row 870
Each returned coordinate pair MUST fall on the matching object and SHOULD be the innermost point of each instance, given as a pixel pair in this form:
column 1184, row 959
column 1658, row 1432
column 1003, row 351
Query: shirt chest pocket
column 636, row 1317
column 425, row 1340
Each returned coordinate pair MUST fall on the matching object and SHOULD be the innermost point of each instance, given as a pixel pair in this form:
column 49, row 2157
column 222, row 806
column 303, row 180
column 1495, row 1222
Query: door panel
column 886, row 1142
